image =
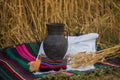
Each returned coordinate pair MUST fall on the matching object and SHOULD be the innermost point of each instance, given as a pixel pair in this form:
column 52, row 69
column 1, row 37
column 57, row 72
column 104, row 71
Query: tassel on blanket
column 34, row 65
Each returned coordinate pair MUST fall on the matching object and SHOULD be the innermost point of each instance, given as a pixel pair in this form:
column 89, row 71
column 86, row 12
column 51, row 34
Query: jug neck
column 55, row 29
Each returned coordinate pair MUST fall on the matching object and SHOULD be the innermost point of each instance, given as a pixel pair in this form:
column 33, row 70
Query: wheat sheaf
column 83, row 59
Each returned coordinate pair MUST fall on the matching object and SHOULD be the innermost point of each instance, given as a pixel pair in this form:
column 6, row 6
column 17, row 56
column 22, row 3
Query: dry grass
column 25, row 20
column 83, row 59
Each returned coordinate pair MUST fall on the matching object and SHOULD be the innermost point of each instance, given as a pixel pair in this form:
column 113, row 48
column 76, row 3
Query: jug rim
column 56, row 24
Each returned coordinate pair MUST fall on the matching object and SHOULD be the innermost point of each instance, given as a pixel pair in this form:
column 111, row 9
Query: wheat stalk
column 83, row 59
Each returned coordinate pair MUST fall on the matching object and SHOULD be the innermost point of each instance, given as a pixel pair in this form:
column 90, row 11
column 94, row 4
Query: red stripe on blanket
column 22, row 50
column 114, row 61
column 53, row 67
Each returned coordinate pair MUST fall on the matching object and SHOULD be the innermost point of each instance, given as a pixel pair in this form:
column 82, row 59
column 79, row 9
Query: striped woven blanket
column 49, row 64
column 14, row 62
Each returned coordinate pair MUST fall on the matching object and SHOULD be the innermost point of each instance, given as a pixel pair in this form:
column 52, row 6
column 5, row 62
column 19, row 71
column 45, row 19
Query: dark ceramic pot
column 55, row 44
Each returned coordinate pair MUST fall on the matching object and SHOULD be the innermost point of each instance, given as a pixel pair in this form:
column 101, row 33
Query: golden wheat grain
column 83, row 59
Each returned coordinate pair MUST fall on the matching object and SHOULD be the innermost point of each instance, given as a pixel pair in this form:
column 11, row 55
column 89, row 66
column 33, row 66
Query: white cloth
column 84, row 43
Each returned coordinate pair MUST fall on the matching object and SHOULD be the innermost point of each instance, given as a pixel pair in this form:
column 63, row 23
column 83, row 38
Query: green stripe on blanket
column 17, row 59
column 33, row 47
column 4, row 75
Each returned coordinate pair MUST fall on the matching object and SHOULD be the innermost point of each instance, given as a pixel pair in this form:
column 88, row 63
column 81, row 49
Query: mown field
column 24, row 21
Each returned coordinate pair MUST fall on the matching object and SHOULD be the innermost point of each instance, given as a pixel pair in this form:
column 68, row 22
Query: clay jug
column 55, row 44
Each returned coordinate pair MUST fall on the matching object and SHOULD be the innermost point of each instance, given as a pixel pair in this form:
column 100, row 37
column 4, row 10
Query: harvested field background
column 24, row 21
